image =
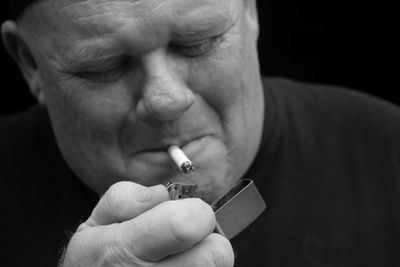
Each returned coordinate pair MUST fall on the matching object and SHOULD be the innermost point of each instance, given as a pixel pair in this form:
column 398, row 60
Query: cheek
column 83, row 114
column 217, row 81
column 230, row 83
column 221, row 80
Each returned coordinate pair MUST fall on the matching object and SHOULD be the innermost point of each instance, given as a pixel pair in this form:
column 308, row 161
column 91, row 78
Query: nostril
column 165, row 102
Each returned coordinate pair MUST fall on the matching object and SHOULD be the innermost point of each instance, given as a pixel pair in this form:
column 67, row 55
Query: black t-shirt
column 328, row 168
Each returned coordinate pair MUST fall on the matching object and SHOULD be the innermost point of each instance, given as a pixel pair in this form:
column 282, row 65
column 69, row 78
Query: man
column 121, row 81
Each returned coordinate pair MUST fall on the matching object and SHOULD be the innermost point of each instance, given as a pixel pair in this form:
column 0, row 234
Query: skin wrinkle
column 104, row 49
column 125, row 14
column 203, row 30
column 81, row 5
column 197, row 28
column 126, row 157
column 231, row 153
column 73, row 97
column 208, row 187
column 158, row 8
column 87, row 57
column 170, row 128
column 102, row 133
column 105, row 118
column 128, row 9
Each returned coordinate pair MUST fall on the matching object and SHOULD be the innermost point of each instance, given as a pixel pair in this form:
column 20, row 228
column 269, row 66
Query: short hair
column 17, row 7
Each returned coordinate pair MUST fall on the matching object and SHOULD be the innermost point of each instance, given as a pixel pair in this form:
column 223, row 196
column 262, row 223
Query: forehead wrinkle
column 81, row 5
column 90, row 53
column 105, row 19
column 93, row 17
column 215, row 13
column 211, row 20
column 124, row 9
column 68, row 54
column 124, row 20
column 132, row 9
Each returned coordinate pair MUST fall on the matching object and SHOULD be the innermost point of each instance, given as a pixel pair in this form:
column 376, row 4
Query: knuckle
column 115, row 191
column 120, row 185
column 178, row 226
column 85, row 249
column 190, row 220
column 119, row 255
column 115, row 198
column 161, row 193
column 220, row 251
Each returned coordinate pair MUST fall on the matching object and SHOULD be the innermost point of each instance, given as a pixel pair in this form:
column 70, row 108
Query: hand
column 133, row 225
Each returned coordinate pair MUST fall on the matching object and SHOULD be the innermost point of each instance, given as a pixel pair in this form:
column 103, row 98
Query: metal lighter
column 234, row 211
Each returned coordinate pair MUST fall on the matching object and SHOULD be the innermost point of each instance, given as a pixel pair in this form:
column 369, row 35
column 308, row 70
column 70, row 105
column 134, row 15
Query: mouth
column 162, row 147
column 155, row 166
column 156, row 161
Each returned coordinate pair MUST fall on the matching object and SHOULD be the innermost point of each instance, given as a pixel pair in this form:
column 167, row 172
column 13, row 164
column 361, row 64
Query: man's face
column 124, row 80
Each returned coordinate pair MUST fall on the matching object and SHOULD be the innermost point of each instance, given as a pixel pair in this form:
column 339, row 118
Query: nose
column 165, row 95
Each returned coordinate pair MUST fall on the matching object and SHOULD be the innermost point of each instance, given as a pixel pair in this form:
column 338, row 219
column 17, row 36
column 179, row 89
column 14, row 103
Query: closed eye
column 107, row 75
column 197, row 48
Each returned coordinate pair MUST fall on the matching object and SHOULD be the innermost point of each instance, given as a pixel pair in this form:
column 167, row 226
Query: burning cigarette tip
column 180, row 159
column 187, row 167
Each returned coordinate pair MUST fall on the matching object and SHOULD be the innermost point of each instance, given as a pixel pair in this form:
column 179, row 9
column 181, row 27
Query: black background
column 346, row 43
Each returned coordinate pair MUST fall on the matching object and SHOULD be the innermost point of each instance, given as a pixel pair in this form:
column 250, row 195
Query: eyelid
column 108, row 74
column 101, row 63
column 193, row 41
column 99, row 67
column 201, row 45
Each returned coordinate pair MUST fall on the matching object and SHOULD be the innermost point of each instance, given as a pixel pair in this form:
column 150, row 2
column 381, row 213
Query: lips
column 164, row 144
column 151, row 167
column 153, row 143
column 158, row 163
column 142, row 136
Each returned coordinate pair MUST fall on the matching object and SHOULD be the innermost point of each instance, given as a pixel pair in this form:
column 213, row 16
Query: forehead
column 112, row 16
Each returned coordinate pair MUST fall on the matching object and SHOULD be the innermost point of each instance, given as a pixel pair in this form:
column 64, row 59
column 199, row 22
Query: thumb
column 124, row 201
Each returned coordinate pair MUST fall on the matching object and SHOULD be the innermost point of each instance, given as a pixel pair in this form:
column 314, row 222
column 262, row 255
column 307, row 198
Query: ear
column 251, row 14
column 20, row 52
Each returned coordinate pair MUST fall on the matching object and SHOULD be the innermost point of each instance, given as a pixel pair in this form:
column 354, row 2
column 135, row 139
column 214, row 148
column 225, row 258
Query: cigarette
column 180, row 159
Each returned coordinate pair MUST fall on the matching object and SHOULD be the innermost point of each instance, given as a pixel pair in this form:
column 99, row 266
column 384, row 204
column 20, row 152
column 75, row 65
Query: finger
column 167, row 229
column 93, row 247
column 215, row 250
column 125, row 201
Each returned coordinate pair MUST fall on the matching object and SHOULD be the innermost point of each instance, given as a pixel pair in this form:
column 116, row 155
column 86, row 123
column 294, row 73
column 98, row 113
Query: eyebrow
column 90, row 55
column 204, row 26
